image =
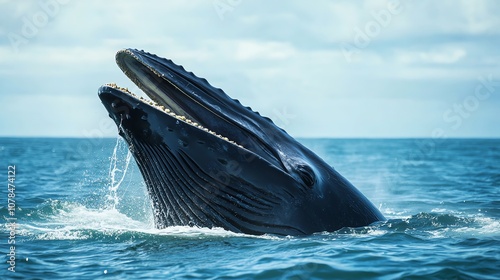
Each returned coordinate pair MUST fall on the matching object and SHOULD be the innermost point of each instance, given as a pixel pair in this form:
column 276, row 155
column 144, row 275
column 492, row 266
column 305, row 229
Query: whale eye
column 307, row 175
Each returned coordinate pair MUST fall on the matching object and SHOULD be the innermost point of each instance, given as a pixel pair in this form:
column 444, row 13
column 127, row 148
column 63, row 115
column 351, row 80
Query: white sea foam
column 439, row 210
column 484, row 226
column 392, row 213
column 474, row 226
column 77, row 222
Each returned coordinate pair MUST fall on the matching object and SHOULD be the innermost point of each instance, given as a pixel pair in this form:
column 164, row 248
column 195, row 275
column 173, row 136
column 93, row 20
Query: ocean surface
column 81, row 212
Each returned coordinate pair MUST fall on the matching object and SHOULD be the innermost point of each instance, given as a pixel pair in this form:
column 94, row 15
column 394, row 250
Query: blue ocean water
column 82, row 213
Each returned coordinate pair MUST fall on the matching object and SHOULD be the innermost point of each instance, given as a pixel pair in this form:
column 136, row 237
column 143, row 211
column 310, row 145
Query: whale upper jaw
column 180, row 92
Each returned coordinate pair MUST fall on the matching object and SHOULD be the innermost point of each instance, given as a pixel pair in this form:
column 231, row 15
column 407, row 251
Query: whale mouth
column 190, row 99
column 169, row 111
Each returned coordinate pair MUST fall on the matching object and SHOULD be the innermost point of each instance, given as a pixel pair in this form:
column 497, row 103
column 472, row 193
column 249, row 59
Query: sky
column 375, row 69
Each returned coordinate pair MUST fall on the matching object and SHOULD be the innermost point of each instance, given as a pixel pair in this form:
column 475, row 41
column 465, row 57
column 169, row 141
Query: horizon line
column 298, row 137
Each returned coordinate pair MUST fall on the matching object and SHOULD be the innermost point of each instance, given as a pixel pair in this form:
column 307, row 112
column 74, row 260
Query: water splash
column 117, row 170
column 63, row 220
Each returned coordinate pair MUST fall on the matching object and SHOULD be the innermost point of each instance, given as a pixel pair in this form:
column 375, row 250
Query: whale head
column 209, row 161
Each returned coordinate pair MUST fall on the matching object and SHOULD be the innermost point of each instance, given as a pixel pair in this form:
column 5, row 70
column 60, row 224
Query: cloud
column 275, row 57
column 248, row 50
column 444, row 56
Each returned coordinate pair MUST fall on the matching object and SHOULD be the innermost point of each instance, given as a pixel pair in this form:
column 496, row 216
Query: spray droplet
column 117, row 171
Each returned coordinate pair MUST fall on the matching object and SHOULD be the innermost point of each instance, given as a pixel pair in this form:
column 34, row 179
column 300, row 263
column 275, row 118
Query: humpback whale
column 209, row 161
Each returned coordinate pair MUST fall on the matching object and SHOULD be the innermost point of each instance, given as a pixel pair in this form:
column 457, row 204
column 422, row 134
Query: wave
column 61, row 220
